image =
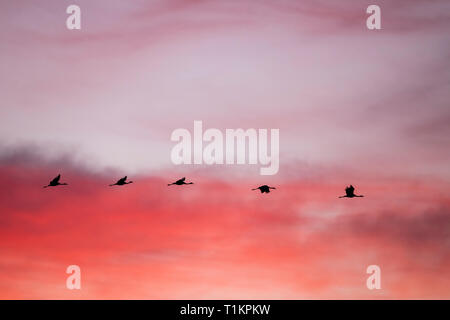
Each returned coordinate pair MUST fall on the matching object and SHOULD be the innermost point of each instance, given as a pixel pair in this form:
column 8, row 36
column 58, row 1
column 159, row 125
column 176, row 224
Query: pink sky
column 353, row 106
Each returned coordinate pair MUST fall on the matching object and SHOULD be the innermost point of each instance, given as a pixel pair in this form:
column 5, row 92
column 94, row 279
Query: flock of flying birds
column 349, row 191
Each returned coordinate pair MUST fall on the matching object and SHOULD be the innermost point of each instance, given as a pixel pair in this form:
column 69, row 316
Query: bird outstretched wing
column 122, row 180
column 182, row 179
column 56, row 179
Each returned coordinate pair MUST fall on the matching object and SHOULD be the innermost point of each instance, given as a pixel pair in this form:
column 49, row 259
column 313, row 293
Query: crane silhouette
column 264, row 189
column 350, row 193
column 180, row 182
column 121, row 182
column 55, row 182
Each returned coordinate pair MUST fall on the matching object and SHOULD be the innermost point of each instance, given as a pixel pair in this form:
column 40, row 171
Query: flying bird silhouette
column 180, row 182
column 55, row 182
column 121, row 182
column 350, row 193
column 264, row 189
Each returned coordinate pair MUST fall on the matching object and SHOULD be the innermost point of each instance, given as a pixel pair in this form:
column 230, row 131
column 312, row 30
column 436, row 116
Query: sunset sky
column 353, row 106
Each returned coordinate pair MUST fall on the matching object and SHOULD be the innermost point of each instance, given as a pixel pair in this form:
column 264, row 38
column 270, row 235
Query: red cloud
column 214, row 239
